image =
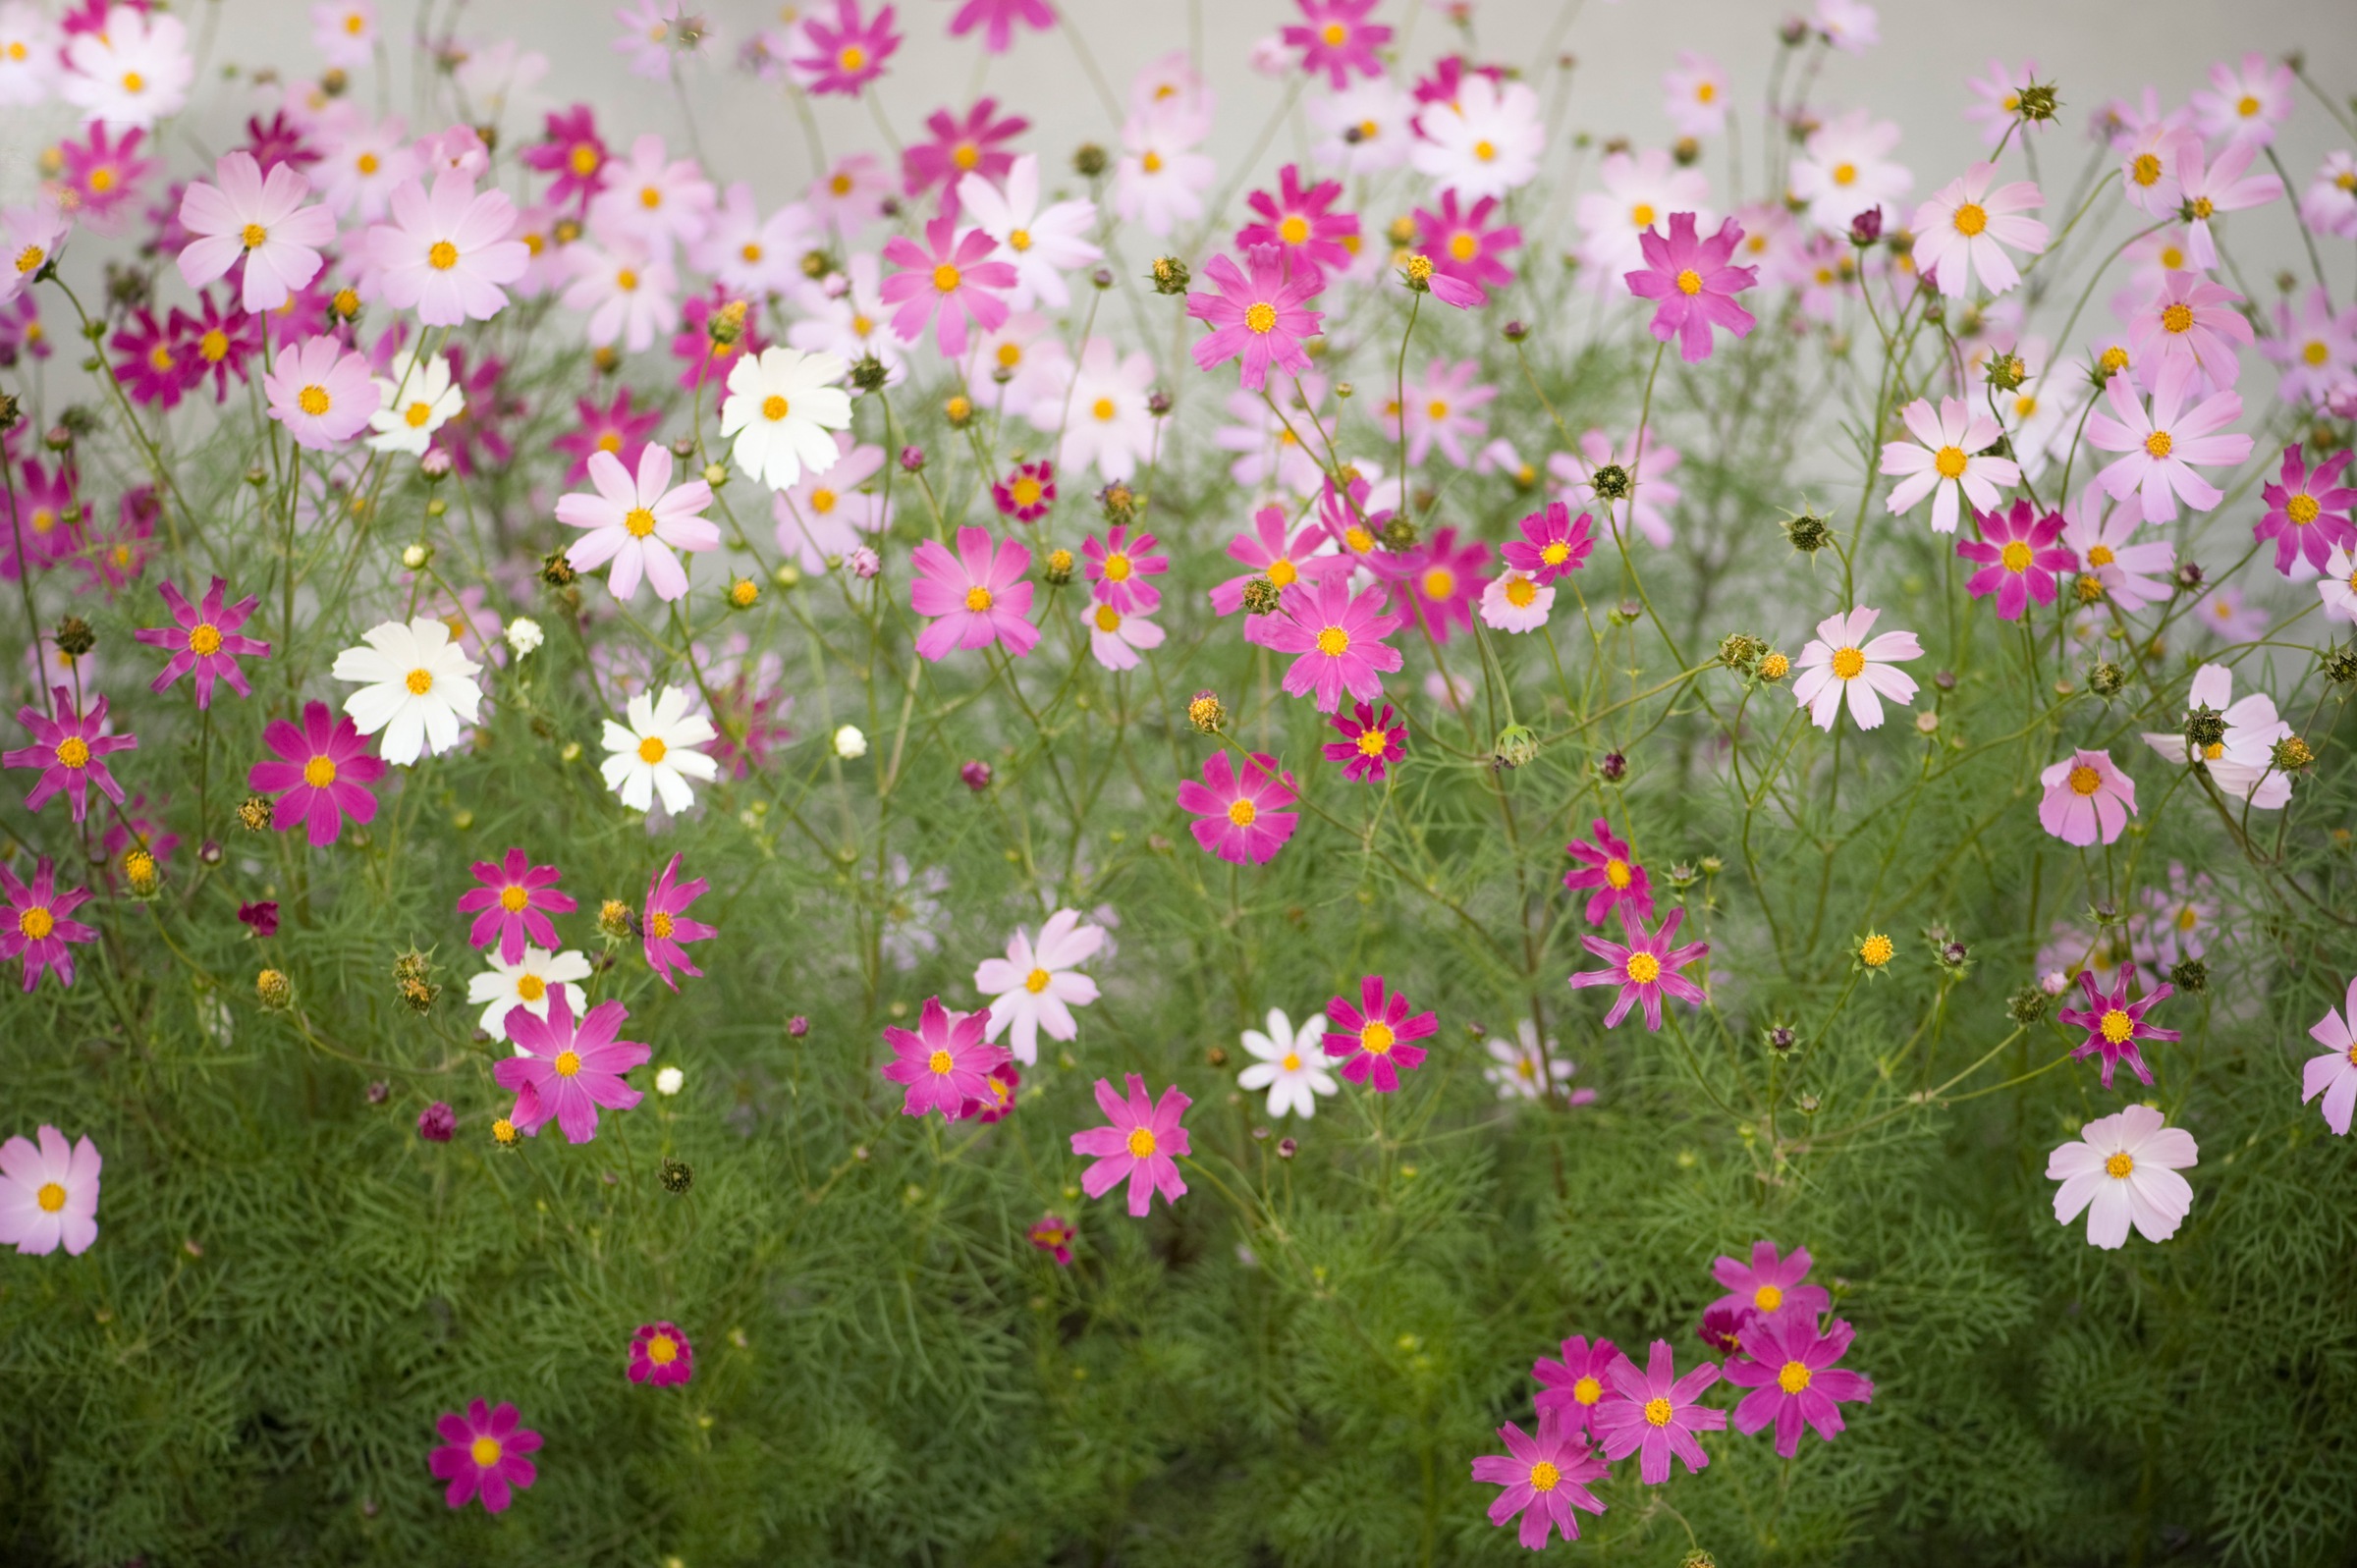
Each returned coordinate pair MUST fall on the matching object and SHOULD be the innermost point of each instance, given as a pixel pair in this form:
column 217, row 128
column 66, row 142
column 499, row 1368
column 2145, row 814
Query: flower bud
column 726, row 326
column 1808, row 533
column 74, row 637
column 274, row 991
column 1517, row 748
column 1059, row 569
column 2340, row 665
column 555, row 571
column 437, row 1123
column 958, row 411
column 616, row 921
column 1286, row 1148
column 798, row 1026
column 851, row 743
column 2028, row 1005
column 1612, row 766
column 2037, row 101
column 2106, row 680
column 139, row 872
column 868, row 374
column 2291, row 754
column 975, row 774
column 1089, row 160
column 2007, row 372
column 1739, row 650
column 2205, row 726
column 435, row 464
column 1866, row 228
column 743, row 594
column 1612, row 483
column 677, row 1177
column 1170, row 275
column 1118, row 502
column 1261, row 596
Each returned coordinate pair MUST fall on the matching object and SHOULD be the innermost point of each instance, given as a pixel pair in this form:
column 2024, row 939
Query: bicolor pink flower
column 1794, row 1381
column 1334, row 37
column 2123, row 1170
column 664, row 925
column 1260, row 319
column 262, row 221
column 513, row 902
column 1768, row 1287
column 1695, row 286
column 1338, row 638
column 1053, row 1234
column 1575, row 1385
column 1946, row 460
column 1652, row 1414
column 1371, row 743
column 1838, row 662
column 960, row 146
column 34, row 927
column 2332, row 1074
column 1240, row 814
column 50, row 1195
column 482, row 1454
column 948, row 281
column 660, row 1355
column 943, row 1062
column 2087, row 797
column 1300, row 221
column 1554, row 543
column 1644, row 969
column 2115, row 1025
column 1545, row 1478
column 2162, row 444
column 997, row 19
column 845, row 52
column 2189, row 324
column 1266, row 552
column 636, row 523
column 1141, row 1146
column 1608, row 867
column 2308, row 513
column 323, row 394
column 204, row 639
column 69, row 750
column 449, row 254
column 1375, row 1038
column 1028, row 491
column 2019, row 557
column 324, row 771
column 1967, row 226
column 570, row 1069
column 1117, row 569
column 977, row 597
column 2213, row 184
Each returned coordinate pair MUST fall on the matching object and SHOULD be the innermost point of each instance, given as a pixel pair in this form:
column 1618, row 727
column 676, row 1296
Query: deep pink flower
column 1450, row 74
column 1644, row 969
column 617, row 428
column 1544, row 1478
column 152, row 374
column 1607, row 866
column 1792, row 1380
column 1444, row 581
column 1461, row 245
column 1260, row 319
column 1653, row 1414
column 1554, row 543
column 215, row 343
column 69, row 750
column 998, row 1096
column 2307, row 512
column 962, row 146
column 945, row 1063
column 2018, row 556
column 571, row 1069
column 1574, row 1386
column 947, row 281
column 1721, row 1329
column 705, row 361
column 437, row 1123
column 206, row 641
column 1355, row 528
column 1370, row 744
column 1053, row 1233
column 1695, row 285
column 1338, row 636
column 1770, row 1286
column 847, row 52
column 1141, row 1146
column 2115, row 1025
column 261, row 918
column 2086, row 796
column 977, row 597
column 1338, row 39
column 1240, row 816
column 660, row 1355
column 997, row 18
column 324, row 770
column 664, row 925
column 1300, row 221
column 2190, row 323
column 1267, row 553
column 484, row 1452
column 34, row 518
column 571, row 149
column 34, row 927
column 1028, row 491
column 514, row 902
column 113, row 558
column 1119, row 567
column 1375, row 1037
column 98, row 177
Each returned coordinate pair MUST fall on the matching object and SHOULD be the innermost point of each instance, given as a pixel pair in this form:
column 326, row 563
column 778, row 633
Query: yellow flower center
column 1293, row 1061
column 940, row 1062
column 417, row 414
column 1335, row 33
column 29, row 260
column 1242, row 813
column 1108, row 620
column 133, row 82
column 313, row 401
column 1657, row 1412
column 419, row 681
column 51, row 1197
column 36, row 922
column 485, row 1451
column 852, row 57
column 2316, row 354
column 1587, row 1390
column 1846, row 174
column 585, row 159
column 2246, row 106
column 2303, row 509
column 1520, row 591
column 2202, row 207
column 773, row 407
column 2101, row 556
column 2118, row 1165
column 1848, row 663
column 977, row 598
column 319, row 773
column 1294, row 230
column 1971, row 218
column 1261, row 316
column 1102, row 408
column 660, row 924
column 1373, row 742
column 530, row 988
column 253, row 234
column 2118, row 1027
column 2025, row 405
column 1768, row 1297
column 1876, row 951
column 1949, row 462
column 204, row 639
column 2157, row 443
column 2085, row 781
column 74, row 752
column 2016, row 556
column 1643, row 968
column 1543, row 1477
column 1377, row 1039
column 1358, row 539
column 1036, row 981
column 1792, row 1376
column 652, row 750
column 1641, row 215
column 639, row 523
column 1333, row 642
column 1706, row 93
column 944, row 278
column 1151, row 162
column 2178, row 317
column 1142, row 1142
column 649, row 197
column 1617, row 873
column 160, row 357
column 443, row 256
column 967, row 155
column 1440, row 583
column 627, row 281
column 1484, row 152
column 1025, row 491
column 1689, row 282
column 513, row 898
column 662, row 1350
column 567, row 1063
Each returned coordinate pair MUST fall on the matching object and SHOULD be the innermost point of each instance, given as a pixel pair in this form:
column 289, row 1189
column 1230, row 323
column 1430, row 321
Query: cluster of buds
column 1170, row 275
column 413, row 981
column 1206, row 711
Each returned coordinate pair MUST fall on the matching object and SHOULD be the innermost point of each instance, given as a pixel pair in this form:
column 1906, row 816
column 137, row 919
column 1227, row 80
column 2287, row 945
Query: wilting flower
column 482, row 1453
column 1037, row 985
column 1141, row 1146
column 1544, row 1478
column 71, row 750
column 50, row 1195
column 1645, row 968
column 569, row 1071
column 2087, row 797
column 1839, row 663
column 1653, row 1414
column 324, row 772
column 1694, row 284
column 2123, row 1170
column 1792, row 1380
column 1240, row 814
column 2115, row 1025
column 2332, row 1074
column 944, row 1063
column 660, row 1355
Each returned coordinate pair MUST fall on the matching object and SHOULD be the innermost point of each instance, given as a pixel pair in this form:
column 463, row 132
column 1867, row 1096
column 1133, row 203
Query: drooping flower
column 654, row 751
column 1695, row 285
column 664, row 924
column 2332, row 1075
column 2087, row 797
column 528, row 981
column 2123, row 1170
column 50, row 1195
column 1370, row 742
column 2115, row 1025
column 69, row 749
column 975, row 598
column 324, row 772
column 1337, row 639
column 1261, row 318
column 482, row 1454
column 1608, row 866
column 569, row 1071
column 1794, row 1381
column 660, row 1355
column 1652, row 1414
column 1967, row 226
column 1141, row 1146
column 1036, row 986
column 1554, row 544
column 1052, row 1234
column 1575, row 1385
column 1546, row 1477
column 515, row 901
column 322, row 394
column 1946, row 460
column 36, row 927
column 1770, row 1286
column 1644, row 969
column 637, row 524
column 1839, row 662
column 2018, row 556
column 1374, row 1040
column 943, row 1062
column 1288, row 1063
column 416, row 683
column 1240, row 814
column 2308, row 512
column 781, row 407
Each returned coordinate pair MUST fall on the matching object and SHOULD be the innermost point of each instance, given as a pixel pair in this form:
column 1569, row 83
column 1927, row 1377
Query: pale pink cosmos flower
column 259, row 220
column 1967, row 227
column 651, row 198
column 2087, row 797
column 2332, row 1074
column 1644, row 969
column 2189, row 324
column 2123, row 1170
column 1141, row 1146
column 1485, row 142
column 2242, row 764
column 50, row 1195
column 1839, row 663
column 948, row 281
column 824, row 515
column 447, row 254
column 2100, row 530
column 1116, row 639
column 2160, row 445
column 1515, row 600
column 1639, row 191
column 977, row 597
column 1338, row 638
column 1946, row 461
column 636, row 523
column 944, row 1063
column 629, row 295
column 2151, row 166
column 1545, row 1478
column 2314, row 351
column 1260, row 318
column 2339, row 586
column 2329, row 204
column 2246, row 102
column 1846, row 168
column 1653, row 1414
column 1037, row 985
column 2212, row 184
column 1694, row 94
column 1442, row 408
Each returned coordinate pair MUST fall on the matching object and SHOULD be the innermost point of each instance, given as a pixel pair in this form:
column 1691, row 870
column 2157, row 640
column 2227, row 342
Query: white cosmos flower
column 1945, row 458
column 1290, row 1064
column 526, row 983
column 656, row 751
column 1845, row 170
column 1041, row 246
column 2123, row 1170
column 417, row 400
column 416, row 685
column 1108, row 425
column 1485, row 143
column 1035, row 985
column 1838, row 660
column 781, row 408
column 133, row 72
column 1521, row 1069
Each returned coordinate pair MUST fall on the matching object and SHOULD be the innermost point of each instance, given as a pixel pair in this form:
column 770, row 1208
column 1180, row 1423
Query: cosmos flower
column 1141, row 1146
column 637, row 524
column 1240, row 812
column 50, row 1195
column 321, row 393
column 1288, row 1063
column 1794, row 1381
column 2098, row 531
column 2086, row 797
column 1769, row 1288
column 1118, row 567
column 206, row 639
column 1694, row 94
column 1261, row 319
column 34, row 925
column 1546, row 1477
column 1041, row 244
column 1970, row 227
column 1609, row 871
column 1052, row 1234
column 2308, row 511
column 70, row 748
column 569, row 1071
column 1644, row 969
column 1028, row 491
column 2332, row 1075
column 2241, row 763
column 1036, row 986
column 847, row 50
column 959, row 145
column 2162, row 445
column 416, row 683
column 2244, row 102
column 2018, row 556
column 1839, row 662
column 661, row 1356
column 1554, row 543
column 822, row 519
column 1694, row 285
column 1946, row 460
column 2209, row 185
column 1574, row 1385
column 781, row 407
column 417, row 397
column 1300, row 221
column 626, row 292
column 513, row 900
column 617, row 428
column 654, row 751
column 257, row 220
column 1527, row 1068
column 2189, row 324
column 528, row 981
column 2115, row 1025
column 975, row 598
column 664, row 924
column 321, row 776
column 1846, row 169
column 944, row 1063
column 1267, row 552
column 1370, row 742
column 998, row 20
column 1653, row 1414
column 134, row 69
column 482, row 1454
column 447, row 254
column 1485, row 142
column 2123, row 1170
column 948, row 281
column 1374, row 1040
column 1336, row 38
column 1336, row 637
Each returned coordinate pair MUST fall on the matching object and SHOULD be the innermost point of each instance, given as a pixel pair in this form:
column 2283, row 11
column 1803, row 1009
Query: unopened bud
column 1171, row 276
column 1207, row 712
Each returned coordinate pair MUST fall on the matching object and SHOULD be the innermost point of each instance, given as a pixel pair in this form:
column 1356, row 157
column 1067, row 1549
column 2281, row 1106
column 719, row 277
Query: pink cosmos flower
column 1266, row 553
column 1141, row 1145
column 2123, row 1170
column 2115, row 1025
column 947, row 281
column 1554, row 544
column 206, row 641
column 2019, row 557
column 2132, row 576
column 1334, row 37
column 1241, row 815
column 847, row 52
column 961, row 146
column 1028, row 491
column 514, row 902
column 321, row 393
column 569, row 1071
column 997, row 1101
column 50, row 1195
column 1300, row 221
column 447, row 255
column 1117, row 569
column 1770, row 1288
column 260, row 221
column 1644, row 969
column 1792, row 1380
column 1574, row 1386
column 2190, row 323
column 1695, row 285
column 154, row 376
column 101, row 176
column 1053, row 1233
column 1839, row 663
column 69, row 750
column 35, row 929
column 1443, row 406
column 1445, row 580
column 1653, row 1414
column 34, row 518
column 998, row 20
column 1261, row 319
column 1967, row 227
column 1607, row 866
column 1545, row 1478
column 2213, row 184
column 1375, row 1036
column 660, row 1355
column 570, row 149
column 617, row 428
column 2162, row 444
column 2332, row 1074
column 637, row 524
column 2086, row 796
column 482, row 1453
column 1461, row 244
column 1036, row 986
column 1371, row 743
column 1695, row 96
column 977, row 597
column 664, row 924
column 945, row 1063
column 1337, row 637
column 1947, row 456
column 2315, row 352
column 324, row 770
column 2246, row 102
column 2308, row 515
column 1116, row 641
column 216, row 342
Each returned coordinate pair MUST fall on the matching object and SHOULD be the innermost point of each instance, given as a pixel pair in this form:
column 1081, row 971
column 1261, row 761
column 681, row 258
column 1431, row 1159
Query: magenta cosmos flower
column 847, row 52
column 2115, row 1025
column 977, row 597
column 1376, row 1034
column 660, row 1355
column 1770, row 1286
column 1370, row 743
column 1574, row 1386
column 1545, row 1478
column 618, row 429
column 1792, row 1380
column 1242, row 815
column 570, row 149
column 1608, row 867
column 70, row 750
column 324, row 771
column 2307, row 512
column 2087, row 797
column 1028, row 491
column 482, row 1454
column 1261, row 318
column 1694, row 284
column 1644, row 969
column 1141, row 1146
column 34, row 927
column 1266, row 552
column 206, row 641
column 1334, row 37
column 1300, row 222
column 1053, row 1234
column 2018, row 556
column 944, row 1064
column 514, row 902
column 1461, row 244
column 1653, row 1414
column 1444, row 581
column 50, row 1195
column 1117, row 569
column 1553, row 544
column 664, row 924
column 973, row 145
column 571, row 1069
column 1339, row 637
column 998, row 18
column 2334, row 1073
column 947, row 281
